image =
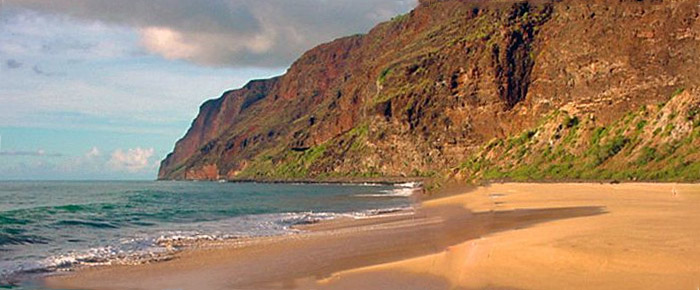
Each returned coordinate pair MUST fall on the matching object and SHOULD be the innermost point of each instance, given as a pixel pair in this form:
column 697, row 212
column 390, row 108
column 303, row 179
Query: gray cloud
column 230, row 32
column 37, row 70
column 13, row 64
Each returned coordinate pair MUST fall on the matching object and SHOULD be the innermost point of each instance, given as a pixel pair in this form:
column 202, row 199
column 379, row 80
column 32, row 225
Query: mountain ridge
column 420, row 95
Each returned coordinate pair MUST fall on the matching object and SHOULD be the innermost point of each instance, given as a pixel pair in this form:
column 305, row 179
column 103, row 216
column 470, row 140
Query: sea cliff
column 467, row 90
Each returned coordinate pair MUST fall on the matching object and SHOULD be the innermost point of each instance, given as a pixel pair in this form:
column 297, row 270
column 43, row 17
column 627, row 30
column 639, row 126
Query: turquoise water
column 53, row 226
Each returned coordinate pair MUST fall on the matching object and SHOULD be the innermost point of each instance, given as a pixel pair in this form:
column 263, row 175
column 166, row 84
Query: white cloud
column 137, row 163
column 131, row 160
column 167, row 42
column 93, row 153
column 91, row 162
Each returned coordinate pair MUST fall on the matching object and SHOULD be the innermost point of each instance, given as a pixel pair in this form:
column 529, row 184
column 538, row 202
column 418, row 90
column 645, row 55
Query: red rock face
column 206, row 172
column 418, row 94
column 215, row 116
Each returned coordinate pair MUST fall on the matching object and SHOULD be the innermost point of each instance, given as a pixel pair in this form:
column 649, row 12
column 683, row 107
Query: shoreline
column 161, row 243
column 399, row 179
column 340, row 180
column 512, row 220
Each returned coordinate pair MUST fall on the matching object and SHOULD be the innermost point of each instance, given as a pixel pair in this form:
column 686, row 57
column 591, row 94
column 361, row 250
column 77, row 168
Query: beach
column 500, row 236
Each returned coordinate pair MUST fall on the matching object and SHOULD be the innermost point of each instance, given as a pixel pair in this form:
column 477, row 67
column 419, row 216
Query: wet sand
column 503, row 236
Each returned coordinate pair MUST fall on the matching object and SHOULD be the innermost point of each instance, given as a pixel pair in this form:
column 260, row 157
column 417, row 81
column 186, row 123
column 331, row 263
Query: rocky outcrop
column 423, row 93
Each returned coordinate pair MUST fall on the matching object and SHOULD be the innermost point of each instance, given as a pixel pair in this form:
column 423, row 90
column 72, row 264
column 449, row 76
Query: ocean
column 52, row 226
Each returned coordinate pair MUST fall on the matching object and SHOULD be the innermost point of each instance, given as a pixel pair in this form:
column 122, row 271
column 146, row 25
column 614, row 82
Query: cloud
column 37, row 70
column 100, row 78
column 40, row 71
column 37, row 153
column 24, row 34
column 131, row 160
column 93, row 153
column 13, row 64
column 136, row 161
column 229, row 32
column 92, row 165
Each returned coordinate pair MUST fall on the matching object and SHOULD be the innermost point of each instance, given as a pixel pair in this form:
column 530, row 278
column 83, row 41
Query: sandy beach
column 501, row 236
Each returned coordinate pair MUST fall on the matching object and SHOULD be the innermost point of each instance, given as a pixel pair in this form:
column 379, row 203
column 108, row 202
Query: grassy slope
column 280, row 163
column 659, row 143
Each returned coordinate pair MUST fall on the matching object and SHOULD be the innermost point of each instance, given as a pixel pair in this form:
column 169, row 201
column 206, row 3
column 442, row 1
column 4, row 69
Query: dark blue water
column 53, row 226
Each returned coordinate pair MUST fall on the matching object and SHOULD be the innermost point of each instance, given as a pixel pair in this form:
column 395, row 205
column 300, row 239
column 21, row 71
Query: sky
column 102, row 89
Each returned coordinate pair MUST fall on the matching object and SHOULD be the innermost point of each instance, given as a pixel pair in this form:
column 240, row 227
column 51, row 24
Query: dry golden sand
column 503, row 236
column 650, row 239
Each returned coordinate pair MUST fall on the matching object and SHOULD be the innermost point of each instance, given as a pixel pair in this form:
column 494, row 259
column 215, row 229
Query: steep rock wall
column 418, row 95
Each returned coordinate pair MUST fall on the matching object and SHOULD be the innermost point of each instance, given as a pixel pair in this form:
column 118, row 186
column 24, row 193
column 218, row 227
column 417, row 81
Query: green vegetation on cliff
column 657, row 143
column 283, row 164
